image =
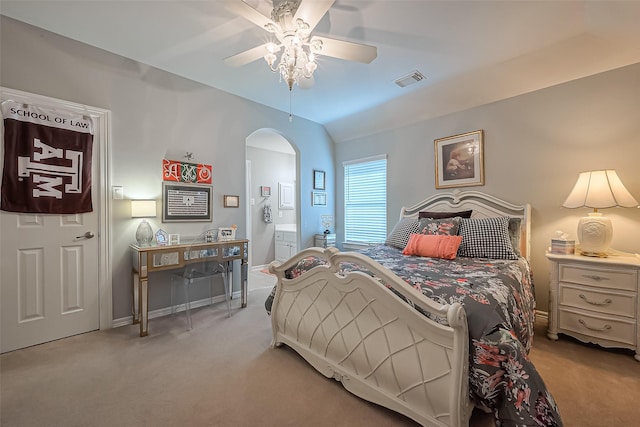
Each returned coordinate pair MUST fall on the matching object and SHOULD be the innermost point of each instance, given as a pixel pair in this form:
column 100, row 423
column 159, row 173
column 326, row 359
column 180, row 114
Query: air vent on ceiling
column 409, row 79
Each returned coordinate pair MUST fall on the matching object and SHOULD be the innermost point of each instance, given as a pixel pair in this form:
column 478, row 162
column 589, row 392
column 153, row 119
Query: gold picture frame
column 231, row 201
column 459, row 160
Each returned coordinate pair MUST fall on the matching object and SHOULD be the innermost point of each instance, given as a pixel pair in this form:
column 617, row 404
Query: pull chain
column 290, row 116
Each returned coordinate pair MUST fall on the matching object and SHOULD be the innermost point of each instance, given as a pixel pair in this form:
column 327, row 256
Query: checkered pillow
column 486, row 238
column 399, row 236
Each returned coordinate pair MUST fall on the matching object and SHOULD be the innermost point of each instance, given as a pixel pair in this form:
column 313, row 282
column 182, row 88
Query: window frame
column 369, row 215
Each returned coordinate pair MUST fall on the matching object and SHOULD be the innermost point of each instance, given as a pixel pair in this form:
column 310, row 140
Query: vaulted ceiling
column 471, row 52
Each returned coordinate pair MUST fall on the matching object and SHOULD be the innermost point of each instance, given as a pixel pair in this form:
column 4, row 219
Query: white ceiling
column 472, row 52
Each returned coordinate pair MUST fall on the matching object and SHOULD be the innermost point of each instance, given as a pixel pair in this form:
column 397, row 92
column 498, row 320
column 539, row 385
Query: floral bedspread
column 498, row 297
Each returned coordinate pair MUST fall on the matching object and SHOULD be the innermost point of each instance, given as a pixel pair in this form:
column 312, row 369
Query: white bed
column 352, row 328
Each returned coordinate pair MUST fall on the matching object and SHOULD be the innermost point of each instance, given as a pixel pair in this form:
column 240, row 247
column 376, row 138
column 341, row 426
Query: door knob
column 87, row 235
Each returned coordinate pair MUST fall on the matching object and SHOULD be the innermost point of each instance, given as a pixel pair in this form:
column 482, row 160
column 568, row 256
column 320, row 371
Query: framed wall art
column 186, row 202
column 459, row 160
column 231, row 201
column 318, row 198
column 265, row 191
column 318, row 180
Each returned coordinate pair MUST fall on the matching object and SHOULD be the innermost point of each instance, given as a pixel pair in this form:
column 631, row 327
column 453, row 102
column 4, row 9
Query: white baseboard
column 124, row 321
column 542, row 315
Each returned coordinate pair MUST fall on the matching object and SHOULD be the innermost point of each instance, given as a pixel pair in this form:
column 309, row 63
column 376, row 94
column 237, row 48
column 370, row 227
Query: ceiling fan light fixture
column 271, row 59
column 302, row 26
column 293, row 56
column 315, row 45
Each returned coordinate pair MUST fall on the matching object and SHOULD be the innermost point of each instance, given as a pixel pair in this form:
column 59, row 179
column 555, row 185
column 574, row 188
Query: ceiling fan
column 292, row 22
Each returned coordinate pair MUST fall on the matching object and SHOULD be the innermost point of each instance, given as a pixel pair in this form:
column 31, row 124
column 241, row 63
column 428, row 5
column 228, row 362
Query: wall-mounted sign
column 197, row 173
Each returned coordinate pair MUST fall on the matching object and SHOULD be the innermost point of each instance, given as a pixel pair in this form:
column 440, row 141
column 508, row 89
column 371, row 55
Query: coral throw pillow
column 434, row 246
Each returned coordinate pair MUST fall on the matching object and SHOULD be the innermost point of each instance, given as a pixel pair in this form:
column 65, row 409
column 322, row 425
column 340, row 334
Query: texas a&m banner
column 47, row 160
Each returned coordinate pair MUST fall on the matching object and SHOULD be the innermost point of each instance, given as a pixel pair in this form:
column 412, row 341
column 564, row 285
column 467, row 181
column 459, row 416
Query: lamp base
column 594, row 233
column 144, row 233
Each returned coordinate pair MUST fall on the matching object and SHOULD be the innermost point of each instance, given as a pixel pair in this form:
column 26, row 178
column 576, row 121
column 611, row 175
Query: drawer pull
column 604, row 328
column 605, row 302
column 595, row 277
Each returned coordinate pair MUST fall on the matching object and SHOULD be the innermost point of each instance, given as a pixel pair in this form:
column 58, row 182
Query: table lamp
column 597, row 189
column 143, row 209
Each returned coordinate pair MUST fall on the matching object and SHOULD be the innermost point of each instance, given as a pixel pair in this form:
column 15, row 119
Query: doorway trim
column 103, row 122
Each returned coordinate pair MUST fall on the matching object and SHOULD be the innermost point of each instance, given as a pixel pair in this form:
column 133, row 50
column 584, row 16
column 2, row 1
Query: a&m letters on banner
column 47, row 160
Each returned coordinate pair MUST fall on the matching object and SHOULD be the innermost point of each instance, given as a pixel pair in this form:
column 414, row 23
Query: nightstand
column 595, row 299
column 325, row 240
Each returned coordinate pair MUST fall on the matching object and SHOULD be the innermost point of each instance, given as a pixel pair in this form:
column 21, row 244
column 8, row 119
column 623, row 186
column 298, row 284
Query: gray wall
column 535, row 144
column 534, row 147
column 268, row 168
column 156, row 115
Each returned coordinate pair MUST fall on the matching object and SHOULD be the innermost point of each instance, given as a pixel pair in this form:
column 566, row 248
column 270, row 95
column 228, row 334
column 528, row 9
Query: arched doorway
column 271, row 162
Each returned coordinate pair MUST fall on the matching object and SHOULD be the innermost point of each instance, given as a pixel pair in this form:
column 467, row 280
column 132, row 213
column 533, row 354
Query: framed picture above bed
column 460, row 160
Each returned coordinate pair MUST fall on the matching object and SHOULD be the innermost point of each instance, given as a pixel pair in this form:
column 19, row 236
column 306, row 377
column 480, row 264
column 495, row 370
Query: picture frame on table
column 226, row 234
column 319, row 180
column 459, row 160
column 231, row 201
column 162, row 238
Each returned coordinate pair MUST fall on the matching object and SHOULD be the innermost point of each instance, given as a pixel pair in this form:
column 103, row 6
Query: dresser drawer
column 604, row 327
column 279, row 236
column 609, row 278
column 619, row 303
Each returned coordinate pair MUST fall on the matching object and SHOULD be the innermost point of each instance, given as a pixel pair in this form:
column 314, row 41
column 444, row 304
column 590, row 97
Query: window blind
column 365, row 204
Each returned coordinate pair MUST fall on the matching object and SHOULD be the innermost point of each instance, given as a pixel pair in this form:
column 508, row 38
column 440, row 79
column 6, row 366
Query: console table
column 149, row 259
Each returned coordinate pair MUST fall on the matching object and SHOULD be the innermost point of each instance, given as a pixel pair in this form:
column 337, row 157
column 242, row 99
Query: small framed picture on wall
column 231, row 201
column 318, row 198
column 318, row 180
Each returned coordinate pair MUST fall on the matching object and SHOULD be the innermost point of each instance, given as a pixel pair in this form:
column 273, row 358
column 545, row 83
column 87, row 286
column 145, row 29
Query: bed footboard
column 351, row 327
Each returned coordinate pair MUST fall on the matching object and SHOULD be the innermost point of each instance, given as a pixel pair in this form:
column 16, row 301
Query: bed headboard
column 483, row 206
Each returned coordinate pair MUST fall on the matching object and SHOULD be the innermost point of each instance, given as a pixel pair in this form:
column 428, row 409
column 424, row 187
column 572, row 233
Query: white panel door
column 49, row 277
column 49, row 272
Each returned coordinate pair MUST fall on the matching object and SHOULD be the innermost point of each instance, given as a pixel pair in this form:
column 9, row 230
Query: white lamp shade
column 599, row 189
column 143, row 209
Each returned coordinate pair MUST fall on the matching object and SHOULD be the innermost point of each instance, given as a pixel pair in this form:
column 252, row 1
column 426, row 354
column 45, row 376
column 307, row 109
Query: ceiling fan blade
column 248, row 12
column 312, row 11
column 247, row 56
column 346, row 50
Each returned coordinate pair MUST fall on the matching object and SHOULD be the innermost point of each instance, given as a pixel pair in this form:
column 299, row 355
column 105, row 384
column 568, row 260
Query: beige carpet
column 223, row 373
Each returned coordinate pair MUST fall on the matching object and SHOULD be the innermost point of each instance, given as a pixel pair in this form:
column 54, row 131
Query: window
column 365, row 200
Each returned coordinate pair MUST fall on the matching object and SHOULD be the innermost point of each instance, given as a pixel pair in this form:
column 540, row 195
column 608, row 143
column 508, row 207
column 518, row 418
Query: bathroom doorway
column 271, row 166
